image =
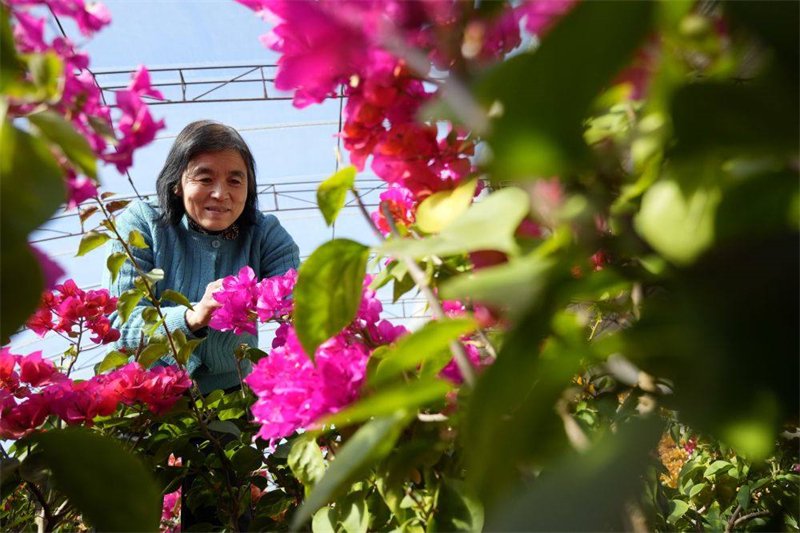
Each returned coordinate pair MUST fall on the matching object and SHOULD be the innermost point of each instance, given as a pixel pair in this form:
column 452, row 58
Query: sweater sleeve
column 279, row 252
column 136, row 217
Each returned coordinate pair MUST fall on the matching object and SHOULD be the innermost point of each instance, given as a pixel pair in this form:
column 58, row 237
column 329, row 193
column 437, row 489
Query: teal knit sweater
column 190, row 261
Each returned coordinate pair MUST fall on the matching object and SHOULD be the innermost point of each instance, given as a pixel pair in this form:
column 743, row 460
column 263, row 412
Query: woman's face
column 214, row 189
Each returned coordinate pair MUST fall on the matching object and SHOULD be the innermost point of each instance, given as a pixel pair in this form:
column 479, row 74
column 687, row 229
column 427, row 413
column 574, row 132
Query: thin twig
column 734, row 516
column 48, row 515
column 747, row 517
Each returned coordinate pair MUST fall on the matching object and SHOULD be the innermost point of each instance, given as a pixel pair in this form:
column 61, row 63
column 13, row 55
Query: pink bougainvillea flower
column 238, row 297
column 452, row 373
column 402, row 206
column 79, row 189
column 171, row 512
column 51, row 271
column 293, row 392
column 29, row 33
column 9, row 378
column 37, row 371
column 20, row 419
column 540, row 16
column 274, row 296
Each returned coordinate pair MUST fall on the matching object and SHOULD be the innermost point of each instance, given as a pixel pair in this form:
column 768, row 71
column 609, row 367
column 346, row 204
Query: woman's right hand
column 201, row 314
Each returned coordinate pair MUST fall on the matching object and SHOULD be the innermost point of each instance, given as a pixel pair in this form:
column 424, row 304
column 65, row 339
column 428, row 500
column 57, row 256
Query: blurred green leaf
column 677, row 508
column 186, row 350
column 328, row 291
column 178, row 298
column 86, row 465
column 373, row 441
column 246, row 459
column 114, row 359
column 487, row 225
column 255, row 355
column 414, row 349
column 584, row 492
column 776, row 24
column 152, row 353
column 114, row 263
column 21, row 286
column 305, row 460
column 513, row 285
column 332, row 192
column 725, row 333
column 678, row 224
column 391, row 399
column 91, row 240
column 9, row 476
column 457, row 509
column 545, row 95
column 74, row 146
column 440, row 208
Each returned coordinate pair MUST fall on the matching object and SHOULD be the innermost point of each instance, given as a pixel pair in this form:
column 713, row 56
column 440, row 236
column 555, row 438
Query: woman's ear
column 177, row 189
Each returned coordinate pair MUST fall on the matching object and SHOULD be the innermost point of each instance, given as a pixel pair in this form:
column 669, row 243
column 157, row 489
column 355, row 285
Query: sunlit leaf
column 332, row 192
column 439, row 209
column 86, row 466
column 114, row 263
column 487, row 225
column 114, row 359
column 127, row 302
column 328, row 291
column 91, row 240
column 175, row 296
column 135, row 238
column 153, row 352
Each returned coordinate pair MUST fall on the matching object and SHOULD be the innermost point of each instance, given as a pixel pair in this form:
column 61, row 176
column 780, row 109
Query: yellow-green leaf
column 152, row 353
column 332, row 192
column 91, row 240
column 114, row 263
column 135, row 238
column 439, row 209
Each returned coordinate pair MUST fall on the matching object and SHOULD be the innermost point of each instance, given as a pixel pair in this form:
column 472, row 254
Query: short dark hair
column 199, row 137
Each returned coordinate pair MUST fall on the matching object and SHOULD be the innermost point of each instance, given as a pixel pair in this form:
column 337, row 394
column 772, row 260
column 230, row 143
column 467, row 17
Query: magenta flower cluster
column 244, row 299
column 81, row 101
column 32, row 389
column 384, row 95
column 68, row 309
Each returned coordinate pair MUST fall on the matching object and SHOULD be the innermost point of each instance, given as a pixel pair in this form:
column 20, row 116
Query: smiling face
column 214, row 189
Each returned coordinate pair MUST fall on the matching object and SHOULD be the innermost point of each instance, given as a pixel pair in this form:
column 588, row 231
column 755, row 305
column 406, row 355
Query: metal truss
column 202, row 84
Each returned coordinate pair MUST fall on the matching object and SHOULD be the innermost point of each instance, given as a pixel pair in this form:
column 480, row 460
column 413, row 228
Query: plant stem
column 49, row 522
column 150, row 292
column 420, row 280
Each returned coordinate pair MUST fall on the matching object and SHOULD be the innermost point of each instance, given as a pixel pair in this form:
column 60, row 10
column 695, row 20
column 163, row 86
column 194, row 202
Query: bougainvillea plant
column 597, row 200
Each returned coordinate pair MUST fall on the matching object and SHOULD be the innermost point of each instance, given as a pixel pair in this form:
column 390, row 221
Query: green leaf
column 72, row 144
column 114, row 263
column 225, row 426
column 152, row 353
column 47, row 70
column 513, row 285
column 9, row 476
column 111, row 488
column 678, row 224
column 328, row 291
column 135, row 238
column 31, row 189
column 305, row 460
column 114, row 359
column 369, row 444
column 178, row 298
column 127, row 302
column 743, row 497
column 487, row 225
column 186, row 350
column 255, row 355
column 246, row 459
column 324, row 521
column 457, row 509
column 439, row 209
column 91, row 240
column 388, row 400
column 715, row 467
column 332, row 192
column 677, row 508
column 696, row 489
column 600, row 482
column 155, row 275
column 545, row 95
column 414, row 349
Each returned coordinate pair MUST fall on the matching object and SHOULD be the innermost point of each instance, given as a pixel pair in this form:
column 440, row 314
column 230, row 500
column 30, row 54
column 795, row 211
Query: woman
column 206, row 226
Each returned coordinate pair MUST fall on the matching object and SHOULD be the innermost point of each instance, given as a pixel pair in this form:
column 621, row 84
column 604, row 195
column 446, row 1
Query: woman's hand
column 200, row 316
